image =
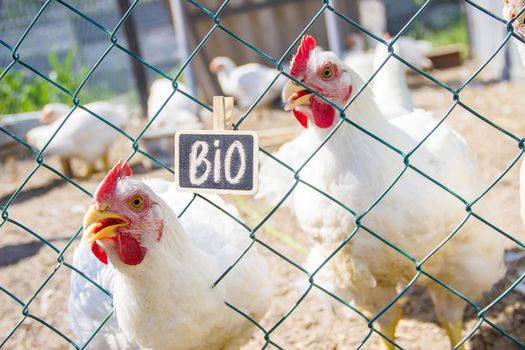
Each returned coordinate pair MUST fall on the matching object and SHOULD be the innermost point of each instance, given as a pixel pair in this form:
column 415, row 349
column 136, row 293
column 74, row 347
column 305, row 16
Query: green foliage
column 454, row 33
column 173, row 72
column 63, row 72
column 21, row 91
column 20, row 94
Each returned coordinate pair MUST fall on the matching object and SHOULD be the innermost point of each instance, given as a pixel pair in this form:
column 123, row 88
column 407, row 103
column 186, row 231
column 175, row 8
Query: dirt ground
column 53, row 209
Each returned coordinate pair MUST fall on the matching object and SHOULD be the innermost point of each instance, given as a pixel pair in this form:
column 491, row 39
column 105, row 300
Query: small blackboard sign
column 216, row 161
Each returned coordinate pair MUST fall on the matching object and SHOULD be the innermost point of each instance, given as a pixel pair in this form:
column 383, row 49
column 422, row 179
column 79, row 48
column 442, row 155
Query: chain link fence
column 112, row 36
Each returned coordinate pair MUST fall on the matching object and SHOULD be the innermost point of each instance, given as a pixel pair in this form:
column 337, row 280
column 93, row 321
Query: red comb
column 107, row 186
column 300, row 59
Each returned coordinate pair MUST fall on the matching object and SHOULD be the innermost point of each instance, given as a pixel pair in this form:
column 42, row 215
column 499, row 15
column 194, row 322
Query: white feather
column 88, row 306
column 179, row 113
column 364, row 63
column 512, row 8
column 247, row 82
column 416, row 215
column 390, row 85
column 83, row 135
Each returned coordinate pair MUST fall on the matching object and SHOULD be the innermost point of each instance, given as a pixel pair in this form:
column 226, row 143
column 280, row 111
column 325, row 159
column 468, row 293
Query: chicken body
column 82, row 136
column 390, row 86
column 167, row 301
column 88, row 306
column 510, row 10
column 415, row 214
column 179, row 113
column 247, row 82
column 53, row 111
column 365, row 63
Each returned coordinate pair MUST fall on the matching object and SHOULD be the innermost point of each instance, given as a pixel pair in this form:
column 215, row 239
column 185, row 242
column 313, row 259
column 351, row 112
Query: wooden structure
column 133, row 43
column 270, row 25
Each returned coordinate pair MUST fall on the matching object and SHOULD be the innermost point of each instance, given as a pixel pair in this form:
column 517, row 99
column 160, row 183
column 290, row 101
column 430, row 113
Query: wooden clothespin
column 222, row 112
column 221, row 160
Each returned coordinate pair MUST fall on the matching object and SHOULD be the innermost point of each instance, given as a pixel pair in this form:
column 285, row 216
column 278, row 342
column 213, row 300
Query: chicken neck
column 354, row 150
column 172, row 283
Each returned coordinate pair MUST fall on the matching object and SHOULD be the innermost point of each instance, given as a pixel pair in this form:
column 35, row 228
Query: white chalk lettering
column 217, row 163
column 196, row 159
column 237, row 145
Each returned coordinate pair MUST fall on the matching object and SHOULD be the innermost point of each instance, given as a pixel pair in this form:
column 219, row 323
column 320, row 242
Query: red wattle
column 323, row 113
column 301, row 117
column 129, row 250
column 99, row 253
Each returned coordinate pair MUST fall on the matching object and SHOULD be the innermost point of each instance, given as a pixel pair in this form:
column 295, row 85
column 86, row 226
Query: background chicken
column 510, row 10
column 76, row 137
column 52, row 112
column 365, row 62
column 390, row 86
column 415, row 214
column 247, row 82
column 179, row 113
column 162, row 270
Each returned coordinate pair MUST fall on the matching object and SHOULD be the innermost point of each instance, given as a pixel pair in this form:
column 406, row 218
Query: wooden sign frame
column 222, row 115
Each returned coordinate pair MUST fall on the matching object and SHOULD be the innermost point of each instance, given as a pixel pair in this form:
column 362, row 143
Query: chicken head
column 124, row 219
column 322, row 72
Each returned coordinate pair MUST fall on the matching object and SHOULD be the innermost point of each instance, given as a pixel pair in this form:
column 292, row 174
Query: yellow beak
column 295, row 95
column 101, row 224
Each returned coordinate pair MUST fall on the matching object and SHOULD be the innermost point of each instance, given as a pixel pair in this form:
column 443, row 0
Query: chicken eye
column 327, row 73
column 137, row 202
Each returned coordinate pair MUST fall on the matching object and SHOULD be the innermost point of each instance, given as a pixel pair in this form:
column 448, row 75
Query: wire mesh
column 113, row 39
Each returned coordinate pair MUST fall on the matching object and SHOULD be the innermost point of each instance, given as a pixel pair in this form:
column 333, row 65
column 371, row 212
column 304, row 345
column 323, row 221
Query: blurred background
column 63, row 41
column 64, row 46
column 72, row 37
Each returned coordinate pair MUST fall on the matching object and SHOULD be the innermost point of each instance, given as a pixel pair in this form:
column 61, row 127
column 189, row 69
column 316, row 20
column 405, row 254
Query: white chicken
column 53, row 111
column 390, row 86
column 179, row 113
column 415, row 214
column 162, row 270
column 365, row 62
column 82, row 136
column 247, row 82
column 392, row 94
column 510, row 10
